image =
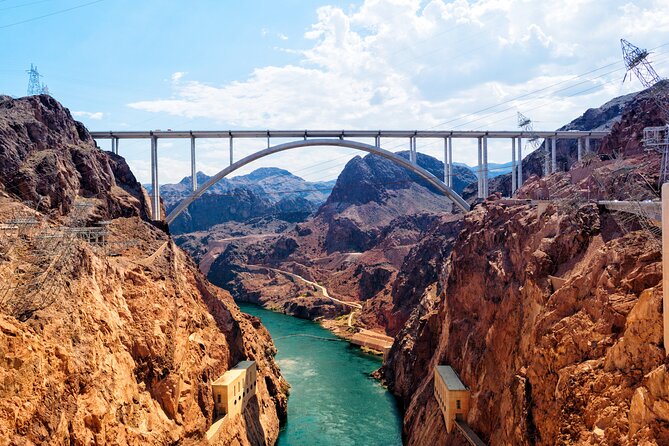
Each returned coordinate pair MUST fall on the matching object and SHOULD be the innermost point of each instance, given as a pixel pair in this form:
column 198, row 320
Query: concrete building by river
column 234, row 389
column 451, row 394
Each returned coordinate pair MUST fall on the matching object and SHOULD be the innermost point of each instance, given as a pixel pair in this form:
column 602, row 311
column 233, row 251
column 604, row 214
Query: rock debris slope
column 124, row 348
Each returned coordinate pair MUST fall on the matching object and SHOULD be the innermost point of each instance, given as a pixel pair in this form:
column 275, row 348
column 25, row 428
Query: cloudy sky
column 298, row 64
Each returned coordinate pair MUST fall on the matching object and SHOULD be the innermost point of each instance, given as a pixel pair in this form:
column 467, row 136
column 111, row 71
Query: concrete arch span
column 427, row 176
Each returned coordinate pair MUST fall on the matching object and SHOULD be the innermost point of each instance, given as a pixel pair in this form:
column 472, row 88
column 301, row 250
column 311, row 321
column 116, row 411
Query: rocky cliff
column 551, row 314
column 113, row 344
column 577, row 359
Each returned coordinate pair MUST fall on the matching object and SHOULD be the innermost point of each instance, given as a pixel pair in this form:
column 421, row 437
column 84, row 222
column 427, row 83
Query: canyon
column 549, row 311
column 551, row 314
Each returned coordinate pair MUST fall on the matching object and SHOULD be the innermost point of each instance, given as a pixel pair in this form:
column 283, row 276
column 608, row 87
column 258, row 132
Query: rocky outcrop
column 49, row 159
column 540, row 361
column 115, row 349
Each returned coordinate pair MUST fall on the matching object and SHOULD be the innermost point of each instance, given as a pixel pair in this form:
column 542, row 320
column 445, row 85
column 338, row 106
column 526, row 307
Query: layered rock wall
column 108, row 349
column 581, row 364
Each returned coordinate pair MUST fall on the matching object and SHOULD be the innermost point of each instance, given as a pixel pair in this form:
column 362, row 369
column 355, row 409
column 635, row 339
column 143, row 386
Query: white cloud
column 177, row 76
column 282, row 36
column 418, row 65
column 96, row 116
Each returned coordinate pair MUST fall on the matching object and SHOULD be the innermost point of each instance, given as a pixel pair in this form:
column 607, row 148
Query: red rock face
column 546, row 366
column 125, row 348
column 49, row 159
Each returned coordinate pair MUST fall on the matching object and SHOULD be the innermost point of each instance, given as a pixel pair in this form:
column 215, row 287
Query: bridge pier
column 554, row 154
column 155, row 187
column 547, row 167
column 447, row 174
column 479, row 172
column 665, row 264
column 193, row 170
column 580, row 149
column 485, row 166
column 412, row 150
column 231, row 150
column 448, row 161
column 520, row 162
column 587, row 144
column 114, row 146
column 513, row 166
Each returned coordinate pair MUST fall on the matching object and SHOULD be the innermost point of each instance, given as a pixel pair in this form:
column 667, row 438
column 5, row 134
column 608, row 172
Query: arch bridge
column 351, row 139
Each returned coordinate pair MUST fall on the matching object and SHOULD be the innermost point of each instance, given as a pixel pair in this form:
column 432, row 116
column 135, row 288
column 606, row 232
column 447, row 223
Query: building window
column 457, row 404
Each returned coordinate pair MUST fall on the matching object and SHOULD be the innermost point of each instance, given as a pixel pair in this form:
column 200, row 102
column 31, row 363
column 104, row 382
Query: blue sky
column 407, row 64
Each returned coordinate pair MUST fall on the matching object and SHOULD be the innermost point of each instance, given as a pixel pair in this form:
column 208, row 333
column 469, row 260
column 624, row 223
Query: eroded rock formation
column 112, row 349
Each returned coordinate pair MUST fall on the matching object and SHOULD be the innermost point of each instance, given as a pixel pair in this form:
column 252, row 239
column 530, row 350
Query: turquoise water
column 333, row 401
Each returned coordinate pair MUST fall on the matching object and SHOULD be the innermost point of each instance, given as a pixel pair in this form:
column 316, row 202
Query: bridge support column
column 412, row 149
column 520, row 162
column 514, row 172
column 665, row 264
column 480, row 169
column 587, row 144
column 450, row 161
column 231, row 150
column 377, row 141
column 193, row 170
column 114, row 146
column 547, row 154
column 155, row 187
column 580, row 149
column 446, row 173
column 554, row 155
column 485, row 167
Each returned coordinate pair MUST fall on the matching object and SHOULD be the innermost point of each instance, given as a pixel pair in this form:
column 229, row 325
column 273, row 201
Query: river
column 333, row 401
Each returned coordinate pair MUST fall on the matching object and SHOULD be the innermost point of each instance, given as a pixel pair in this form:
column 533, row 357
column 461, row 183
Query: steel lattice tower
column 636, row 61
column 655, row 138
column 34, row 84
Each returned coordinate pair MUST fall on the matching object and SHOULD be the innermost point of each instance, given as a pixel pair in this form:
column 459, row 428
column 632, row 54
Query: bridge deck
column 565, row 134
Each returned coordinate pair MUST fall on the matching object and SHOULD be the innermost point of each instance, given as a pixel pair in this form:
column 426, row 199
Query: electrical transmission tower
column 35, row 86
column 654, row 138
column 533, row 142
column 526, row 124
column 636, row 61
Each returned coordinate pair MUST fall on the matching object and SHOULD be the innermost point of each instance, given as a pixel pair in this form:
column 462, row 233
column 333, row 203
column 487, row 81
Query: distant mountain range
column 277, row 193
column 263, row 192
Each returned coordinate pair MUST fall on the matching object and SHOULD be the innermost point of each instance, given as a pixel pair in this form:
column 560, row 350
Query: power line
column 24, row 4
column 50, row 14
